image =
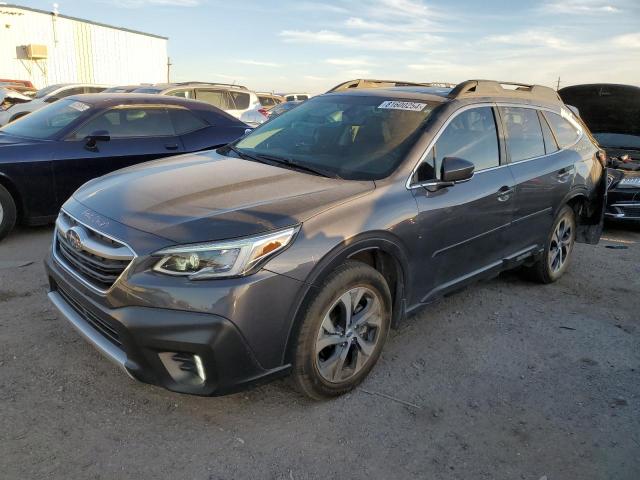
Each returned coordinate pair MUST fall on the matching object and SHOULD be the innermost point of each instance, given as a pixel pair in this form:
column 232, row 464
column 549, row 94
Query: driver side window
column 129, row 122
column 472, row 135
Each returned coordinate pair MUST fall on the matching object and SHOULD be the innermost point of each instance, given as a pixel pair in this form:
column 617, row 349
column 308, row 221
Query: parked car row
column 240, row 102
column 47, row 155
column 292, row 249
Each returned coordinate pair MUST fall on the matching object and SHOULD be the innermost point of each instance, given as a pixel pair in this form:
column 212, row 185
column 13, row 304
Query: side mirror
column 93, row 139
column 455, row 170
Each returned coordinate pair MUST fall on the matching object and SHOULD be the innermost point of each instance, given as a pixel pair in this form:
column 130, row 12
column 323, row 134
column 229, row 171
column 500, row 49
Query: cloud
column 151, row 3
column 349, row 62
column 628, row 40
column 259, row 63
column 368, row 41
column 589, row 7
column 319, row 7
column 531, row 38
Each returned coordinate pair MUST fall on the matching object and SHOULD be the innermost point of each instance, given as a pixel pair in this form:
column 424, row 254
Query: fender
column 374, row 240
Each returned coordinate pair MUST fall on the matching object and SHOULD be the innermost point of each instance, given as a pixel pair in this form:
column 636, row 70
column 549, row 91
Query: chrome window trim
column 410, row 186
column 76, row 275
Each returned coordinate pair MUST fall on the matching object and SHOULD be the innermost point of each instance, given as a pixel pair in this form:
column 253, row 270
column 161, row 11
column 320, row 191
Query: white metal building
column 48, row 48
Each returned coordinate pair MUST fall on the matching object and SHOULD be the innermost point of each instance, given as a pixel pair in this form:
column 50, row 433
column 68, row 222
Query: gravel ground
column 505, row 380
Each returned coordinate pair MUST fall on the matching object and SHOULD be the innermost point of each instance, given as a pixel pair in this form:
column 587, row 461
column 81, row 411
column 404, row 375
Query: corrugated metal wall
column 78, row 51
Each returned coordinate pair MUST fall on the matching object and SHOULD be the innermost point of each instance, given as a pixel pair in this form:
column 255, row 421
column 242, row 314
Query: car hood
column 207, row 196
column 606, row 108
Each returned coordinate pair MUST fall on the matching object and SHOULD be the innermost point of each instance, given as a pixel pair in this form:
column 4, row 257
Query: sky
column 311, row 46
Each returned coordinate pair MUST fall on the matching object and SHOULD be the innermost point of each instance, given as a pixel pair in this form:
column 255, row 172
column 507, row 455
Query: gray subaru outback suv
column 296, row 248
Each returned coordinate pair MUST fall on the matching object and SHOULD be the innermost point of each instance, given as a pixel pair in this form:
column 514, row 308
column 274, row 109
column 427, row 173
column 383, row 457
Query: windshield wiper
column 300, row 166
column 244, row 155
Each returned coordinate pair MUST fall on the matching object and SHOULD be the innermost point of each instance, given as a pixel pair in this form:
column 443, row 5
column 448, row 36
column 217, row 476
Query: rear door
column 138, row 134
column 463, row 227
column 543, row 173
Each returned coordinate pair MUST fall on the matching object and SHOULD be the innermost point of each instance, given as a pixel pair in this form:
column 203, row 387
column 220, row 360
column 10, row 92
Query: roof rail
column 487, row 88
column 217, row 84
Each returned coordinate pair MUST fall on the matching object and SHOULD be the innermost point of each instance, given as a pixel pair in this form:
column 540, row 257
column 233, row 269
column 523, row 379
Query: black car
column 612, row 113
column 47, row 155
column 294, row 249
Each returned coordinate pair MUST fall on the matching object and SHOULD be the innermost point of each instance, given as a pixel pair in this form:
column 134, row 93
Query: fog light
column 184, row 367
column 199, row 367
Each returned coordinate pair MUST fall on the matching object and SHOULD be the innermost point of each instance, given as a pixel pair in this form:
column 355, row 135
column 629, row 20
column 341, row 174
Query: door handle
column 171, row 146
column 563, row 172
column 504, row 193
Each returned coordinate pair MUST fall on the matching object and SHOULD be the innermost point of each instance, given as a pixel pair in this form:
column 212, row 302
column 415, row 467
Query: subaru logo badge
column 74, row 238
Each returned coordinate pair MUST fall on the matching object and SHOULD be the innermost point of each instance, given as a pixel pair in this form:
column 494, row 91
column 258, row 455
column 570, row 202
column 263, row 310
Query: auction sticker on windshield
column 81, row 107
column 396, row 105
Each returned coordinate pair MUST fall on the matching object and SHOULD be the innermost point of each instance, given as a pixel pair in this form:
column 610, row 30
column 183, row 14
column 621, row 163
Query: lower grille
column 95, row 258
column 627, row 210
column 100, row 325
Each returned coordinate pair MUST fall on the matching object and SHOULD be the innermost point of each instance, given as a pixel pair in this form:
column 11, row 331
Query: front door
column 463, row 227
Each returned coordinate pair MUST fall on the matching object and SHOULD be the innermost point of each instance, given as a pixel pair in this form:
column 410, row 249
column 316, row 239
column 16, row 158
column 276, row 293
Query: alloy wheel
column 348, row 335
column 561, row 243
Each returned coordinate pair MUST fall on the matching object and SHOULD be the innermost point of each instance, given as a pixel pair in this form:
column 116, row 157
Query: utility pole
column 169, row 69
column 558, row 84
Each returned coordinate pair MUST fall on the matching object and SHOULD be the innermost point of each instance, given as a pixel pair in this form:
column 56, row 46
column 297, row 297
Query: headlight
column 222, row 259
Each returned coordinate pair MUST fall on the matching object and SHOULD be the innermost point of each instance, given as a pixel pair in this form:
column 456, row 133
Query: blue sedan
column 47, row 155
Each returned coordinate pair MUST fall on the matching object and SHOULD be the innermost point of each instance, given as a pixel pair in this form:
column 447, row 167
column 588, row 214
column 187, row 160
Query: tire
column 8, row 212
column 331, row 357
column 557, row 254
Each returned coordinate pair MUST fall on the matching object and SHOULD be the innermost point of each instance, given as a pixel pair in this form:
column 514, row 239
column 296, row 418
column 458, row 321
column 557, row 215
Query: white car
column 236, row 100
column 48, row 95
column 295, row 97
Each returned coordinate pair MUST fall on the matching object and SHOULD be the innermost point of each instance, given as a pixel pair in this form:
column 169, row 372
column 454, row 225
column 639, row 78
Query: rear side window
column 185, row 121
column 129, row 122
column 240, row 100
column 565, row 132
column 180, row 93
column 523, row 132
column 303, row 97
column 471, row 135
column 69, row 92
column 217, row 98
column 267, row 101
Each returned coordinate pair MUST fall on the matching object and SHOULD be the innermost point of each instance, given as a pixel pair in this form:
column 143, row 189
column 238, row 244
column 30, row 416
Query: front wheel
column 343, row 331
column 558, row 249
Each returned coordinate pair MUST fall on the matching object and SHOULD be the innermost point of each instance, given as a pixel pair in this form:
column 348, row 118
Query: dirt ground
column 506, row 380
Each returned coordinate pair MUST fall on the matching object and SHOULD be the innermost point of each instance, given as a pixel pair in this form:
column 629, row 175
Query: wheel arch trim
column 371, row 241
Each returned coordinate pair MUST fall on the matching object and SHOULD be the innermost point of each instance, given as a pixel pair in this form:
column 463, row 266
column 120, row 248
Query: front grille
column 99, row 263
column 100, row 325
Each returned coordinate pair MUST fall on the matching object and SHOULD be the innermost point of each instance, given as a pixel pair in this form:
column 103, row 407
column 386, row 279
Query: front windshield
column 618, row 140
column 352, row 136
column 48, row 121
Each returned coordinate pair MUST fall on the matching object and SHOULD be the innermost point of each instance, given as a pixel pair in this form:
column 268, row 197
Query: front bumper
column 145, row 341
column 623, row 204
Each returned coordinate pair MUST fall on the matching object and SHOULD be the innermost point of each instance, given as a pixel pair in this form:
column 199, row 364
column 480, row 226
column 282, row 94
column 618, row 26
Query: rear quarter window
column 566, row 133
column 185, row 121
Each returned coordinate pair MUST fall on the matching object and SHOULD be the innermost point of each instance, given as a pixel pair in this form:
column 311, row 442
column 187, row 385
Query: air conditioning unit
column 36, row 52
